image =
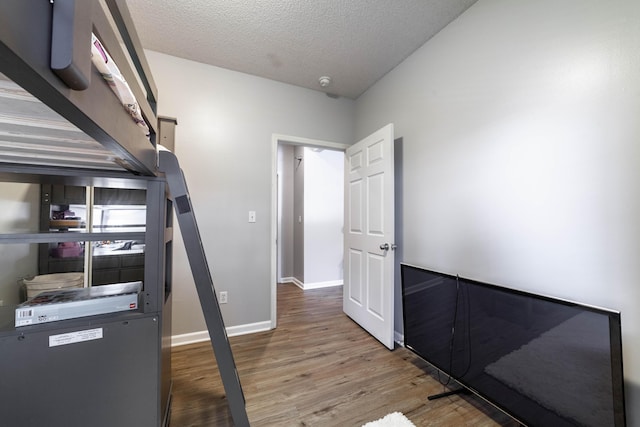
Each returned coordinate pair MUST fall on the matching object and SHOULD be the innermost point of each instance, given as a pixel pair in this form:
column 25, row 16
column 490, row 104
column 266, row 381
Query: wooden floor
column 317, row 368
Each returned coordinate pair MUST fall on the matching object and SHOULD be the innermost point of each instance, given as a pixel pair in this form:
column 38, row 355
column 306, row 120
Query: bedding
column 112, row 75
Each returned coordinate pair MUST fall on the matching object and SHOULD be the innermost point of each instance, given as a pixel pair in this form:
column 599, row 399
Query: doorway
column 285, row 140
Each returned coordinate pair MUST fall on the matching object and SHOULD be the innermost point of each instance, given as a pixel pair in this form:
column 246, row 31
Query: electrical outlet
column 223, row 297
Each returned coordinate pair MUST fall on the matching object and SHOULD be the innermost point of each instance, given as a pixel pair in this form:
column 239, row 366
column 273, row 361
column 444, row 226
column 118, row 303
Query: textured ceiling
column 295, row 41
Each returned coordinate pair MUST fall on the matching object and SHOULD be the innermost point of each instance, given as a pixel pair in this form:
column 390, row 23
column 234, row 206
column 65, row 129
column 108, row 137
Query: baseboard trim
column 315, row 285
column 328, row 284
column 298, row 283
column 201, row 336
column 398, row 338
column 250, row 328
column 190, row 338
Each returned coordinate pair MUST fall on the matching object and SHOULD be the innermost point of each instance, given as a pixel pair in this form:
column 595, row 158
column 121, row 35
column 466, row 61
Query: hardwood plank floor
column 317, row 368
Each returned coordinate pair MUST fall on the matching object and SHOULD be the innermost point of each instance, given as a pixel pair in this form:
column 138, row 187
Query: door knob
column 386, row 247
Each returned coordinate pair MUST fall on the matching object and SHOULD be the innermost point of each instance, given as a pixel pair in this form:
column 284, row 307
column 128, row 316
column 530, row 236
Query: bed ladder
column 168, row 163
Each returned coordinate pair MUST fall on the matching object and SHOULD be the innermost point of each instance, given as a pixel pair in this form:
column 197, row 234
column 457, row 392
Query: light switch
column 252, row 216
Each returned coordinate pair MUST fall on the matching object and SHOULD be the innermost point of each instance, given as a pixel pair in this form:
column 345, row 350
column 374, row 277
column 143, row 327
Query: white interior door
column 369, row 234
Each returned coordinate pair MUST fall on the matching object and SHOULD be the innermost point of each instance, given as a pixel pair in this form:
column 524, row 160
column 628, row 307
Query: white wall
column 323, row 216
column 521, row 150
column 223, row 141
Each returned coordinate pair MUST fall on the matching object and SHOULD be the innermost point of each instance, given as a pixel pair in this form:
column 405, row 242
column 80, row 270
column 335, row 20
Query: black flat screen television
column 543, row 361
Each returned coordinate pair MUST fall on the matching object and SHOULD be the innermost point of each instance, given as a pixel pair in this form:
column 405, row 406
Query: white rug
column 395, row 419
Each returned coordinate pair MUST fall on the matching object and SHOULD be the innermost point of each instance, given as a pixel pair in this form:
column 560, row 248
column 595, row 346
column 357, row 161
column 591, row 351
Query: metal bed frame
column 44, row 50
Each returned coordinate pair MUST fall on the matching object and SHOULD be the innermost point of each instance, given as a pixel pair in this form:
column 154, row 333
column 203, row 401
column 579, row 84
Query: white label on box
column 25, row 312
column 75, row 337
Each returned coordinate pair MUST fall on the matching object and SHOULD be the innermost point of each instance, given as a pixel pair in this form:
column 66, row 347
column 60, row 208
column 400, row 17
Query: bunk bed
column 78, row 121
column 63, row 126
column 31, row 40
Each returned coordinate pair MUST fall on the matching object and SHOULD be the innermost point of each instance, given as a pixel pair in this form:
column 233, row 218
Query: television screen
column 544, row 361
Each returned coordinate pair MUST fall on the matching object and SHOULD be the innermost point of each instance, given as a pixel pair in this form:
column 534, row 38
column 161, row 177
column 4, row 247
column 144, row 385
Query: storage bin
column 51, row 282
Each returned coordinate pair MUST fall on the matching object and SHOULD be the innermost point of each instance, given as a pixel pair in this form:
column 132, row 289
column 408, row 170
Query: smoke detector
column 324, row 81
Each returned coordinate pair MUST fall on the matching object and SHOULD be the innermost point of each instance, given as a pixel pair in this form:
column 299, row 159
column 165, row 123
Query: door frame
column 277, row 139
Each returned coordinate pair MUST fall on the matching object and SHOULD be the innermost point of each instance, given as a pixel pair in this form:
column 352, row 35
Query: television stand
column 460, row 390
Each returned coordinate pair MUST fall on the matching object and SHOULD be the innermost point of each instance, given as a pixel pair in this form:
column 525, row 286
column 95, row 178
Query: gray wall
column 20, row 208
column 223, row 141
column 298, row 213
column 285, row 211
column 521, row 152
